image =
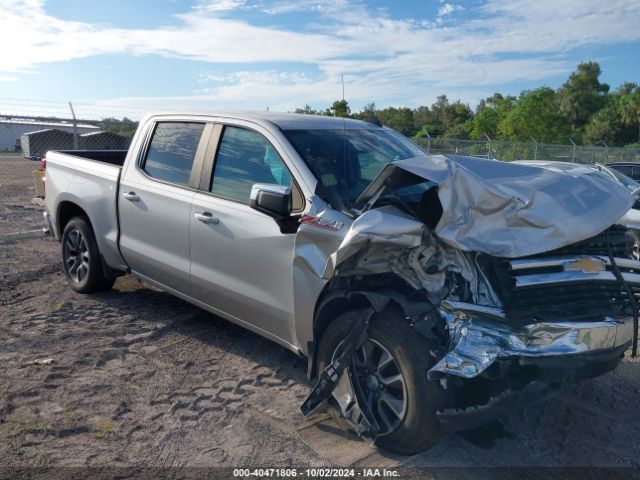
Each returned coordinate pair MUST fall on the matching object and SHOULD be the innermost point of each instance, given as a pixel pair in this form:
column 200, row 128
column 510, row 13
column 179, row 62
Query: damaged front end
column 514, row 276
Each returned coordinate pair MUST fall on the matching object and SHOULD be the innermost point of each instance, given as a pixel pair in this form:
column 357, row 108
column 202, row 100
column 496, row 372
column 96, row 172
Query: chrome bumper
column 601, row 270
column 481, row 335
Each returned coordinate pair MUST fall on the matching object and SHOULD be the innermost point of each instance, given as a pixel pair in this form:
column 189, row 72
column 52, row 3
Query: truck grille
column 576, row 281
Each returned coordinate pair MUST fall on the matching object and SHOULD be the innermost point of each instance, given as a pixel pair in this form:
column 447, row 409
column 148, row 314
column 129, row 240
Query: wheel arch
column 68, row 210
column 336, row 302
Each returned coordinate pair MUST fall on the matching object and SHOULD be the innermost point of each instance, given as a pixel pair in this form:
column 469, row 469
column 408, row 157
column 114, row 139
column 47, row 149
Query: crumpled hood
column 510, row 210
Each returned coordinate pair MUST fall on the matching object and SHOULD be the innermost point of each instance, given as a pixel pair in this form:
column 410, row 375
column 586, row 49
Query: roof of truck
column 292, row 121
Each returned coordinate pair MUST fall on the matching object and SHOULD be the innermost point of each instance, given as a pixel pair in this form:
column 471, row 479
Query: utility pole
column 535, row 148
column 75, row 128
column 342, row 77
column 573, row 151
column 489, row 140
column 428, row 142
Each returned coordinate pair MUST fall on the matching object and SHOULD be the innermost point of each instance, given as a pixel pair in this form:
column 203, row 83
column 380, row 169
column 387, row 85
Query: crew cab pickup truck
column 429, row 293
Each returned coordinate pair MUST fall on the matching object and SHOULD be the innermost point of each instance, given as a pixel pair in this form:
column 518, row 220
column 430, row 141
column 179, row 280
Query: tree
column 582, row 94
column 400, row 119
column 615, row 123
column 340, row 108
column 443, row 118
column 367, row 111
column 307, row 110
column 603, row 127
column 488, row 115
column 629, row 103
column 124, row 127
column 536, row 115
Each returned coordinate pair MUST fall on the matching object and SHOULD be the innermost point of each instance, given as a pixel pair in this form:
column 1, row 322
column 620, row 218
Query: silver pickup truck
column 429, row 293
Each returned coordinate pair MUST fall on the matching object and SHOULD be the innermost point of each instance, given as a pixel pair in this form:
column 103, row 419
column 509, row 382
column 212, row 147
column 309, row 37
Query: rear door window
column 172, row 151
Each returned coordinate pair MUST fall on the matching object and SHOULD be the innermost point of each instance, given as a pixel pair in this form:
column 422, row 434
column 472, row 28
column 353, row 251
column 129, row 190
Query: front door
column 241, row 262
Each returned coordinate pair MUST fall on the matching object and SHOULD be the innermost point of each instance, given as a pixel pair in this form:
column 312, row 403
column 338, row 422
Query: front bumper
column 552, row 374
column 482, row 335
column 552, row 353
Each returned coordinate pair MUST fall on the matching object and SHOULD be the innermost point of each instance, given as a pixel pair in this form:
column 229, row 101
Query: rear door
column 155, row 202
column 242, row 263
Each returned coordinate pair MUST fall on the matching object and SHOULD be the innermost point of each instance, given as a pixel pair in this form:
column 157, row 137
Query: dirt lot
column 141, row 378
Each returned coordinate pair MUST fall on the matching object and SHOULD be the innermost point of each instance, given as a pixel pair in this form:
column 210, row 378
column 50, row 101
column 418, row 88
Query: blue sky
column 122, row 57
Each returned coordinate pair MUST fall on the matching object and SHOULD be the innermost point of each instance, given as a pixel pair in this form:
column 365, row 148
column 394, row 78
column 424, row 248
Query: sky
column 126, row 57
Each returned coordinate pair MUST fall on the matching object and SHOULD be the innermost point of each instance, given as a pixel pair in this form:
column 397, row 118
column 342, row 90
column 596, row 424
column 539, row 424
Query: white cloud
column 219, row 5
column 405, row 60
column 448, row 9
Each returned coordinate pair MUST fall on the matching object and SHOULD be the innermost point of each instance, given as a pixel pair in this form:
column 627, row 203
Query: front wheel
column 81, row 258
column 391, row 366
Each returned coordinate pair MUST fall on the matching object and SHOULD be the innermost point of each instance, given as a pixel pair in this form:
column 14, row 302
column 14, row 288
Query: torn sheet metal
column 388, row 228
column 509, row 210
column 315, row 241
column 339, row 380
column 480, row 335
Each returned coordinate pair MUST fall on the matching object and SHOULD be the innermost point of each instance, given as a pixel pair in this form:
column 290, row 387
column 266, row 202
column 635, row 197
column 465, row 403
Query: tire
column 415, row 428
column 81, row 258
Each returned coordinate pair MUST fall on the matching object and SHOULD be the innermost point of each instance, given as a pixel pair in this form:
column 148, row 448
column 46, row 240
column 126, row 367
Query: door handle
column 206, row 217
column 131, row 196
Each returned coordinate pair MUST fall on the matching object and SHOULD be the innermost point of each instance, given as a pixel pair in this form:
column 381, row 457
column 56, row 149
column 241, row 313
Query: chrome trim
column 538, row 279
column 472, row 309
column 624, row 263
column 270, row 188
column 523, row 264
column 528, row 263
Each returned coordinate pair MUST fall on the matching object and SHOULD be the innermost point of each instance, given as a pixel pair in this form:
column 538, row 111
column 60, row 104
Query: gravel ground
column 141, row 378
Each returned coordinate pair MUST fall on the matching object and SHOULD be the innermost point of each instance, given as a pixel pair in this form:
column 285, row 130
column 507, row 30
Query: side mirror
column 273, row 200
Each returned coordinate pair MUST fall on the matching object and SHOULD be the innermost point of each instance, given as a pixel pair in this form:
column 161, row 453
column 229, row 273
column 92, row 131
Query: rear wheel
column 391, row 366
column 81, row 258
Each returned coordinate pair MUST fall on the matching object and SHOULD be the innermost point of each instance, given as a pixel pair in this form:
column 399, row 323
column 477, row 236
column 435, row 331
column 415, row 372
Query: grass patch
column 102, row 428
column 37, row 427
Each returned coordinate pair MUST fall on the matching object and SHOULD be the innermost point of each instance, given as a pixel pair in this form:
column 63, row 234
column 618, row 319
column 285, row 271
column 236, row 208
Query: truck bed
column 90, row 180
column 112, row 157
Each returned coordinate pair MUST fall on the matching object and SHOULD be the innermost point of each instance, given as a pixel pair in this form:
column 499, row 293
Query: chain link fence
column 508, row 151
column 31, row 138
column 27, row 132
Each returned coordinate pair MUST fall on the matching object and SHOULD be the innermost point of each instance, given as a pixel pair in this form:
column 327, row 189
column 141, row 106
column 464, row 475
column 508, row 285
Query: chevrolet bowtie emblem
column 586, row 265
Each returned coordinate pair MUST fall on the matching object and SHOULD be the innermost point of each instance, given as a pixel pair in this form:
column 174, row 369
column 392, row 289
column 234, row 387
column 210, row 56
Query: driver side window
column 245, row 158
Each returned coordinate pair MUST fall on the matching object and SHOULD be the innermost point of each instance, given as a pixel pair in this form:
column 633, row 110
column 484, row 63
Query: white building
column 11, row 129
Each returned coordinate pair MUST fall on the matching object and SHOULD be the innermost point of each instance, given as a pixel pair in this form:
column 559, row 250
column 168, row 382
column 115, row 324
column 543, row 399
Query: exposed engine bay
column 518, row 280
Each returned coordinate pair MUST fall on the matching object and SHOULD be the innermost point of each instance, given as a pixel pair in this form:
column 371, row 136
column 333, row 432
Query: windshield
column 619, row 177
column 345, row 161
